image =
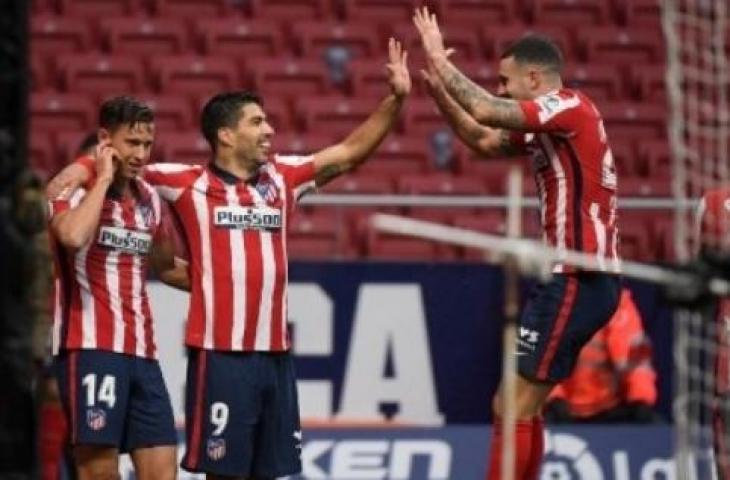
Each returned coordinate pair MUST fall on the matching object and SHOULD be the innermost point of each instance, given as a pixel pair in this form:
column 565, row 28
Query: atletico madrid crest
column 96, row 418
column 216, row 448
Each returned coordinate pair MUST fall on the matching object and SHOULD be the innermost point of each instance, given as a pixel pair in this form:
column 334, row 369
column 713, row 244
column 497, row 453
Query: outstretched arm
column 357, row 147
column 75, row 227
column 486, row 141
column 485, row 108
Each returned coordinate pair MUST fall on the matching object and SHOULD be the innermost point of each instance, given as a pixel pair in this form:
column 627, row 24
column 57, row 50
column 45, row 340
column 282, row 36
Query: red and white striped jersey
column 100, row 297
column 236, row 236
column 575, row 174
column 713, row 236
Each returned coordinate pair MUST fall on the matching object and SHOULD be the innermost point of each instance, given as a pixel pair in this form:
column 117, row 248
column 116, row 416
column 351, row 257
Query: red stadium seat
column 648, row 83
column 606, row 45
column 306, row 248
column 311, row 39
column 492, row 222
column 644, row 187
column 171, row 113
column 496, row 40
column 637, row 240
column 185, row 147
column 360, row 183
column 192, row 8
column 656, row 156
column 194, row 75
column 52, row 35
column 369, row 78
column 567, row 12
column 337, row 115
column 391, row 169
column 599, row 82
column 240, row 39
column 404, row 147
column 422, row 117
column 635, row 121
column 143, row 36
column 41, row 151
column 464, row 40
column 38, row 75
column 377, row 12
column 291, row 10
column 640, row 13
column 400, row 249
column 625, row 158
column 52, row 111
column 440, row 184
column 477, row 12
column 288, row 76
column 99, row 8
column 103, row 75
column 68, row 143
column 299, row 143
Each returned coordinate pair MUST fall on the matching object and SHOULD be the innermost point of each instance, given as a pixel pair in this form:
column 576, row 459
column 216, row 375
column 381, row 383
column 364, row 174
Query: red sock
column 538, row 447
column 52, row 438
column 523, row 448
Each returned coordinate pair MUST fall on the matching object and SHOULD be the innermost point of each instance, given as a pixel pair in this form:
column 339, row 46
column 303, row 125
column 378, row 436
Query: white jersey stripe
column 600, row 230
column 279, row 179
column 263, row 331
column 112, row 281
column 137, row 289
column 238, row 271
column 200, row 203
column 562, row 200
column 57, row 316
column 88, row 320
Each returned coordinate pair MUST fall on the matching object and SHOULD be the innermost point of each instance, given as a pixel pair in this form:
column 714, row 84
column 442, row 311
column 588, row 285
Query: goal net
column 698, row 84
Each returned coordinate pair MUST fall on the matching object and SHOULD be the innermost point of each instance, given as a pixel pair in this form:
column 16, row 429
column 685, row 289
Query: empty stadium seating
column 175, row 54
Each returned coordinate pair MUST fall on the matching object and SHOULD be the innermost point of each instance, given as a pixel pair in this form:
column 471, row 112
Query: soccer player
column 713, row 242
column 106, row 237
column 242, row 416
column 562, row 131
column 53, row 438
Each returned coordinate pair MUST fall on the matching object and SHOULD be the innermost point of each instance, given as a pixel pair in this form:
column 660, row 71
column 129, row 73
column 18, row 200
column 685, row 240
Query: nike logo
column 298, row 435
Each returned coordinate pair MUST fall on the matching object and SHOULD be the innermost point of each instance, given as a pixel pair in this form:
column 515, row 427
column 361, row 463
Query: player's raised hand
column 398, row 76
column 431, row 77
column 428, row 28
column 105, row 161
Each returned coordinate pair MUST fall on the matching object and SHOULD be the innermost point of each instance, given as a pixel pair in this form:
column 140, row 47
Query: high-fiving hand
column 397, row 66
column 431, row 38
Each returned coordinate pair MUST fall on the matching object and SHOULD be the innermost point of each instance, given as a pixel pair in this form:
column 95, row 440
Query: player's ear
column 104, row 135
column 225, row 136
column 534, row 78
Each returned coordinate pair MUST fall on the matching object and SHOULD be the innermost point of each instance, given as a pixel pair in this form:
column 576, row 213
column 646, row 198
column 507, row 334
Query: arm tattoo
column 488, row 109
column 327, row 173
column 506, row 147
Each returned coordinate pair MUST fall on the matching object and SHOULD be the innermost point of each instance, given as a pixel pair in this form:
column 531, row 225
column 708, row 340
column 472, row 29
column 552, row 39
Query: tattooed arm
column 486, row 141
column 357, row 147
column 485, row 108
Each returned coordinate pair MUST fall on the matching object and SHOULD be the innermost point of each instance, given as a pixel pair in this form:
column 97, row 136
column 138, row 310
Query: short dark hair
column 86, row 147
column 124, row 110
column 224, row 110
column 536, row 49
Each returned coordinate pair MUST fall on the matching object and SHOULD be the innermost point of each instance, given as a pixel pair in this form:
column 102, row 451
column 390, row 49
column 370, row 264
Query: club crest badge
column 216, row 448
column 96, row 418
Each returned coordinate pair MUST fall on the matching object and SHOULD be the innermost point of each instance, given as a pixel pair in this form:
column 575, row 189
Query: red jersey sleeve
column 171, row 179
column 558, row 111
column 65, row 201
column 298, row 173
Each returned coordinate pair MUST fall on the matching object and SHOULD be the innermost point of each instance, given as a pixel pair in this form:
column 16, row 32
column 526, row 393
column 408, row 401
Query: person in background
column 613, row 380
